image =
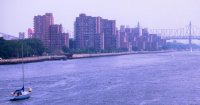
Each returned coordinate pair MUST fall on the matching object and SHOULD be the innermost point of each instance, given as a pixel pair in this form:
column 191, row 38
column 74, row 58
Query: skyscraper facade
column 30, row 33
column 139, row 39
column 55, row 32
column 123, row 38
column 50, row 34
column 109, row 30
column 41, row 28
column 58, row 39
column 21, row 35
column 86, row 28
column 65, row 40
column 94, row 32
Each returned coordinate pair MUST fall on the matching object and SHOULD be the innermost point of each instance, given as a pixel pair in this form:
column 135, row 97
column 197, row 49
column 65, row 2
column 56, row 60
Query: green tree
column 13, row 48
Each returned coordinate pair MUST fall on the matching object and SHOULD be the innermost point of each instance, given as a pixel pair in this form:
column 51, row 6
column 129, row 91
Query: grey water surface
column 140, row 79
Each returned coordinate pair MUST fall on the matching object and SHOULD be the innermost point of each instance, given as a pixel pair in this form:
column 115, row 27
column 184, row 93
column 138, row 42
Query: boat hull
column 21, row 97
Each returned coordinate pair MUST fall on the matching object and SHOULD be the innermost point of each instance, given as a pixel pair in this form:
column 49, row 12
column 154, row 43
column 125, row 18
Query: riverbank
column 31, row 59
column 71, row 56
column 79, row 56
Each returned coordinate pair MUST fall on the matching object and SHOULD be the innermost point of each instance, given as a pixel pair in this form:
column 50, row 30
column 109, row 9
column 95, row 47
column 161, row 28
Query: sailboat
column 21, row 94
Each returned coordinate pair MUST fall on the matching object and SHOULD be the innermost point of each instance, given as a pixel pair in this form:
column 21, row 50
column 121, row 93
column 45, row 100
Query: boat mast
column 23, row 64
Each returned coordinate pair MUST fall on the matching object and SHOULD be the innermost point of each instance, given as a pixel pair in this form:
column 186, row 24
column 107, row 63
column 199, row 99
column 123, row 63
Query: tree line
column 13, row 48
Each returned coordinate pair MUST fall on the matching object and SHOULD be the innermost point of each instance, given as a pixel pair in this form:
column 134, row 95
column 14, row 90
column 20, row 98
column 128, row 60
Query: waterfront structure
column 87, row 30
column 30, row 33
column 118, row 39
column 41, row 28
column 94, row 33
column 65, row 39
column 139, row 39
column 55, row 32
column 109, row 30
column 21, row 35
column 58, row 39
column 101, row 34
column 50, row 34
column 72, row 43
column 123, row 38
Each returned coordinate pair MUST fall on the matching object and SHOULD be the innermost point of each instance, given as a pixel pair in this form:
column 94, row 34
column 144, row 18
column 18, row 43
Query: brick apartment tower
column 41, row 28
column 139, row 39
column 55, row 32
column 30, row 33
column 87, row 32
column 109, row 31
column 94, row 32
column 58, row 39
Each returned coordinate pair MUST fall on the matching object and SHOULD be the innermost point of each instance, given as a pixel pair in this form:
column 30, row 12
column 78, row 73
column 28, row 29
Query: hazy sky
column 17, row 15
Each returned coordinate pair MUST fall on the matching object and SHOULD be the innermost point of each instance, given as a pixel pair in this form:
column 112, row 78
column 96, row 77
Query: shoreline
column 31, row 59
column 70, row 56
column 80, row 56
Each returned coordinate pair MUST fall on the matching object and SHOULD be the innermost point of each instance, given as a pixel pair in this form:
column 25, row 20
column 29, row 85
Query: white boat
column 21, row 94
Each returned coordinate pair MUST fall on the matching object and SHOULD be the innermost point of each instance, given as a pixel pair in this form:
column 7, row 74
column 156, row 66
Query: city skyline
column 101, row 34
column 151, row 14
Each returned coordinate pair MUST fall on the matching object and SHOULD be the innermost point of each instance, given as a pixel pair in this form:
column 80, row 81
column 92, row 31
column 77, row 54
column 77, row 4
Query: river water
column 139, row 79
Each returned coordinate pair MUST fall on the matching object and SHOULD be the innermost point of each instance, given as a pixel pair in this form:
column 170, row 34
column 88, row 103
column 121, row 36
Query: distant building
column 72, row 43
column 50, row 34
column 30, row 33
column 109, row 30
column 58, row 39
column 21, row 35
column 123, row 38
column 65, row 39
column 139, row 39
column 118, row 39
column 86, row 31
column 41, row 28
column 55, row 32
column 94, row 33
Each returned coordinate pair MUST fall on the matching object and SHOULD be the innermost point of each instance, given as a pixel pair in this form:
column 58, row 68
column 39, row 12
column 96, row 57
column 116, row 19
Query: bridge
column 180, row 37
column 7, row 36
column 188, row 32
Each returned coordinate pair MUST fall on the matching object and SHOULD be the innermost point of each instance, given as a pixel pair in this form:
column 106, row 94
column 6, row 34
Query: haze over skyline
column 17, row 15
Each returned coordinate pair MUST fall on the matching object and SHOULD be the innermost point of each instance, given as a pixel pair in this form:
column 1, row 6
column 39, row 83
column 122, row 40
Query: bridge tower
column 190, row 36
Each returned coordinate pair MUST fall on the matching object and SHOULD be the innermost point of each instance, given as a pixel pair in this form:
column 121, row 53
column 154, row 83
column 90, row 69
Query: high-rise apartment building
column 94, row 32
column 118, row 39
column 55, row 32
column 50, row 34
column 65, row 39
column 58, row 39
column 123, row 38
column 139, row 39
column 30, row 33
column 86, row 31
column 21, row 35
column 109, row 30
column 41, row 28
